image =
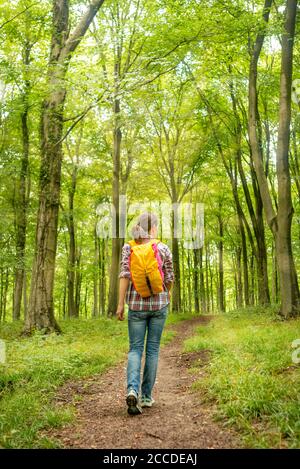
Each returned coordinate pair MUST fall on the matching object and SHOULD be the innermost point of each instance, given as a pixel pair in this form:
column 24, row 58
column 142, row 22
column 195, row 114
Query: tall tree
column 21, row 188
column 63, row 44
column 73, row 274
column 280, row 222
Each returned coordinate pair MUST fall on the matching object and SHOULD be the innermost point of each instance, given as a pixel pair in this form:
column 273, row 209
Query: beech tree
column 63, row 44
column 279, row 221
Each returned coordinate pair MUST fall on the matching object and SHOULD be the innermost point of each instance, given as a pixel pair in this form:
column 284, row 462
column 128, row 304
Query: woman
column 144, row 314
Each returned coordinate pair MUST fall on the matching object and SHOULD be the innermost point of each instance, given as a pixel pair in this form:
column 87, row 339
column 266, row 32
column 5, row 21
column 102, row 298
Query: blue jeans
column 138, row 323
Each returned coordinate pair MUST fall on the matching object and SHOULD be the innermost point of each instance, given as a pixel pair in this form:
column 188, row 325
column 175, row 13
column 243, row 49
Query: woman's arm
column 169, row 285
column 124, row 282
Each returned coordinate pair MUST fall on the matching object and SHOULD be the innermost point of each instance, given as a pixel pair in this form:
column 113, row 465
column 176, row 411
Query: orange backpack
column 146, row 268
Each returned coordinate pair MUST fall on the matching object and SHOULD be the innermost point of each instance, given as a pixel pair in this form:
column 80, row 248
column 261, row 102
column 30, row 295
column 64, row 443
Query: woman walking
column 146, row 277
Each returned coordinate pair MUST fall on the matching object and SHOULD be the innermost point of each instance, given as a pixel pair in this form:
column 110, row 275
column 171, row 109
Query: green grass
column 251, row 375
column 37, row 366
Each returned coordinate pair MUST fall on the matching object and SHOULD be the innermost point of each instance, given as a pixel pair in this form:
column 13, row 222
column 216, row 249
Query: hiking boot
column 147, row 401
column 132, row 401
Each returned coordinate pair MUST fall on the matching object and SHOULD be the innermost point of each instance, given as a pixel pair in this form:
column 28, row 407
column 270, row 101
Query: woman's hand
column 120, row 313
column 169, row 286
column 124, row 282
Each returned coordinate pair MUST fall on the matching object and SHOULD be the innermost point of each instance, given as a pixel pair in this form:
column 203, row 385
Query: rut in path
column 178, row 418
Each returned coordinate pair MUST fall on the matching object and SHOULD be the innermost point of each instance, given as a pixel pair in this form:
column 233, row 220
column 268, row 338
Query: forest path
column 178, row 419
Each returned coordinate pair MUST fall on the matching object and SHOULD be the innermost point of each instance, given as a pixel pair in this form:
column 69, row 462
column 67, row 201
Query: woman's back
column 154, row 302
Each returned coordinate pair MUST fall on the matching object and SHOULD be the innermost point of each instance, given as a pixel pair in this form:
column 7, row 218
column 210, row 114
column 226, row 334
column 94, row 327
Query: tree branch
column 17, row 15
column 80, row 30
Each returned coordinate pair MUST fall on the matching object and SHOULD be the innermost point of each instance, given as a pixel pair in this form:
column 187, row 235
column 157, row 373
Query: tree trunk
column 183, row 277
column 25, row 301
column 239, row 283
column 221, row 293
column 274, row 275
column 196, row 280
column 235, row 285
column 72, row 309
column 280, row 223
column 1, row 293
column 211, row 287
column 207, row 289
column 257, row 216
column 103, row 276
column 294, row 162
column 4, row 291
column 245, row 265
column 289, row 288
column 96, row 276
column 189, row 280
column 85, row 301
column 21, row 200
column 176, row 294
column 116, row 242
column 78, row 282
column 252, row 273
column 41, row 310
column 202, row 284
column 65, row 298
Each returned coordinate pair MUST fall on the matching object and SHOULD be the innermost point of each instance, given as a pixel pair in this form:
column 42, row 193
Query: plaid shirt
column 154, row 302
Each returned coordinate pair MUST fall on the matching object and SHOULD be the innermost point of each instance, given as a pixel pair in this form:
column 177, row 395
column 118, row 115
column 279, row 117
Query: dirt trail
column 178, row 418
